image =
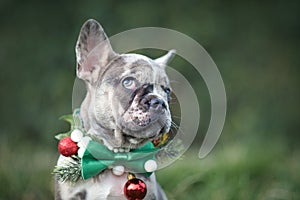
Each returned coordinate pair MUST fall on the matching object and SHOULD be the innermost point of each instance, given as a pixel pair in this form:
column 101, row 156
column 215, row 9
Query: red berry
column 67, row 147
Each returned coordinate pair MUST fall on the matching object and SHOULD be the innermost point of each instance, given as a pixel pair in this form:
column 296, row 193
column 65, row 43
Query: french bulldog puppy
column 126, row 105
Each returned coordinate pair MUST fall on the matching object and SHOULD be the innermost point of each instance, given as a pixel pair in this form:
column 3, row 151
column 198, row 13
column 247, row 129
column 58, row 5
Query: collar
column 88, row 158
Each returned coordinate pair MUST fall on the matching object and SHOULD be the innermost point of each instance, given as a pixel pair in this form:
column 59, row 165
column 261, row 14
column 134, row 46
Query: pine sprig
column 69, row 172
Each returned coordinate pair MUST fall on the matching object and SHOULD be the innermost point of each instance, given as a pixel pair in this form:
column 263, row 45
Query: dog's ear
column 165, row 59
column 93, row 51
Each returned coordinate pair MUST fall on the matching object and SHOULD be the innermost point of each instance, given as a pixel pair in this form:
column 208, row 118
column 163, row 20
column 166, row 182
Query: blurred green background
column 255, row 45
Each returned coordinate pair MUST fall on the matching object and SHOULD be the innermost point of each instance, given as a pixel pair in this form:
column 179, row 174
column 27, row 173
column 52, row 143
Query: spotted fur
column 118, row 116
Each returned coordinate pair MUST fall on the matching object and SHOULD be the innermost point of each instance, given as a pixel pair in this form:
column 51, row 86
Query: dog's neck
column 94, row 127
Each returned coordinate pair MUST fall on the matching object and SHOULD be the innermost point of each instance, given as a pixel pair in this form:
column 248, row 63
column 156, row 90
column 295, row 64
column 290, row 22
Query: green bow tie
column 97, row 158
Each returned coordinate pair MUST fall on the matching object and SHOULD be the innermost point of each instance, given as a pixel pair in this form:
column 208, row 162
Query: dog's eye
column 129, row 83
column 166, row 89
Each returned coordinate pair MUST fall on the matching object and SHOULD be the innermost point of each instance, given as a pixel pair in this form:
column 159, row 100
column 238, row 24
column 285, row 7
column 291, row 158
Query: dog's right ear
column 93, row 51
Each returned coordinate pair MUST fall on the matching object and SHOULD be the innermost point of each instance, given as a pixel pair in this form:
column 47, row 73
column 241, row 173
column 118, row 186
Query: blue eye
column 129, row 83
column 166, row 89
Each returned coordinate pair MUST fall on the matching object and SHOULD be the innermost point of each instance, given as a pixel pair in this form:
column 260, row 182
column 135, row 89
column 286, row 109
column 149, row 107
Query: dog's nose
column 156, row 102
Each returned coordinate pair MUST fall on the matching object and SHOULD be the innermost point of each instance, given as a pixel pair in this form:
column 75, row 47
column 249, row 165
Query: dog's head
column 127, row 101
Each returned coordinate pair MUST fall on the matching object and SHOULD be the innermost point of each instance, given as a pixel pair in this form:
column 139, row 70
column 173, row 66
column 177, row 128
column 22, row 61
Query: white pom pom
column 76, row 135
column 118, row 170
column 150, row 166
column 84, row 141
column 116, row 150
column 80, row 152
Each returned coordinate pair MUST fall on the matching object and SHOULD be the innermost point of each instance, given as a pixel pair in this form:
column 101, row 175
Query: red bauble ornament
column 135, row 189
column 67, row 147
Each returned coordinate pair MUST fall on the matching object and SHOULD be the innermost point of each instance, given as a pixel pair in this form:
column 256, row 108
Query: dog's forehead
column 142, row 67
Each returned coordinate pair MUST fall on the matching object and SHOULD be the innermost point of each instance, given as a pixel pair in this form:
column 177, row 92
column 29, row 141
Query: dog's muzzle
column 147, row 115
column 149, row 101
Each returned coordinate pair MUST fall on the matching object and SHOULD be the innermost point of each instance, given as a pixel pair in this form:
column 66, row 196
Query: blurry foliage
column 255, row 45
column 237, row 172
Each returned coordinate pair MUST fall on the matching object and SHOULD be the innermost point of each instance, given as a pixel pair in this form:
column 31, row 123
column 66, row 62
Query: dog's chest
column 104, row 186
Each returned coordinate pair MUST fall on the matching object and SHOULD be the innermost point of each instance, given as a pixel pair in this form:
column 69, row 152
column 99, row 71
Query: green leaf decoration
column 69, row 119
column 62, row 135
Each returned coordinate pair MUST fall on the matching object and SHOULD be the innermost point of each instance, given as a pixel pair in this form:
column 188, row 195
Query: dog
column 126, row 105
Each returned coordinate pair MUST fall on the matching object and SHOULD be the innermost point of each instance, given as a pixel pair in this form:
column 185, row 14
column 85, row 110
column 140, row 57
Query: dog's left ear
column 93, row 51
column 165, row 59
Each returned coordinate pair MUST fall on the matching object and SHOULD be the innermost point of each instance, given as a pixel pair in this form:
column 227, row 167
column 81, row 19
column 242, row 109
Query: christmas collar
column 97, row 158
column 89, row 157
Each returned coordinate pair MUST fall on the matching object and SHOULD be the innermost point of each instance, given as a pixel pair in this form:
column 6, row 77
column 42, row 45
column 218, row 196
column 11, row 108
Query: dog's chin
column 136, row 135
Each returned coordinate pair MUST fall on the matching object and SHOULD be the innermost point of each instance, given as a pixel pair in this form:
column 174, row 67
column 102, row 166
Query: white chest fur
column 106, row 185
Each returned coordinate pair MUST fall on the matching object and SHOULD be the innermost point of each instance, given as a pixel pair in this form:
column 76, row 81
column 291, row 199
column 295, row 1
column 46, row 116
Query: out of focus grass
column 266, row 170
column 25, row 170
column 261, row 170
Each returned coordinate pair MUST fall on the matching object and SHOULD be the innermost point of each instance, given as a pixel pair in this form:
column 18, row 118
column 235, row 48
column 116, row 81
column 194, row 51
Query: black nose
column 156, row 102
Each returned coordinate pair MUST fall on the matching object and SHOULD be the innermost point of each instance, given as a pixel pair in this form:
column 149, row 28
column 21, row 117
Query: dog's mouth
column 136, row 140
